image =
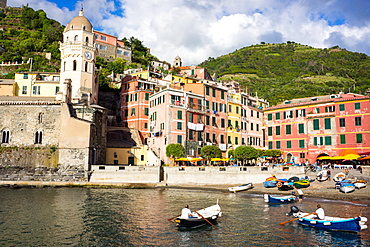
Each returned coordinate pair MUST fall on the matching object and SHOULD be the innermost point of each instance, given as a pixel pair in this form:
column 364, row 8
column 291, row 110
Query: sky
column 198, row 29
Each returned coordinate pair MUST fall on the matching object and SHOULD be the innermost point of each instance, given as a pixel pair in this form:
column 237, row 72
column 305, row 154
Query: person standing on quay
column 299, row 194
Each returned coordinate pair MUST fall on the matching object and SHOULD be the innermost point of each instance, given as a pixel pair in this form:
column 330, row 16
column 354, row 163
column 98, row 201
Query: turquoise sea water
column 138, row 217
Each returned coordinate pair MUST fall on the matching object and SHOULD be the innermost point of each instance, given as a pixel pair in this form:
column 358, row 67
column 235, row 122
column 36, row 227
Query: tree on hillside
column 243, row 153
column 209, row 152
column 175, row 151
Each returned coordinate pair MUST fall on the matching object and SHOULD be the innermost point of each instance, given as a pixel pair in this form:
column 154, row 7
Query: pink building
column 310, row 127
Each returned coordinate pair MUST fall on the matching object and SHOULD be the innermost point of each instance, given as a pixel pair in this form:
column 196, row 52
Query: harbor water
column 138, row 217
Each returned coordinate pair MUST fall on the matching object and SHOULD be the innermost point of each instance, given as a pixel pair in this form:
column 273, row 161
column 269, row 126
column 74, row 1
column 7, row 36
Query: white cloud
column 196, row 30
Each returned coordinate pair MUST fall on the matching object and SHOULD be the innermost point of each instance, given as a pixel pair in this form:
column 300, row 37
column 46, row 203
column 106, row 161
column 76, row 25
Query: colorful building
column 307, row 128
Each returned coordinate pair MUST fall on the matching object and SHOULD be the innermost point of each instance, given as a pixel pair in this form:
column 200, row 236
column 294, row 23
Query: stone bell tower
column 78, row 56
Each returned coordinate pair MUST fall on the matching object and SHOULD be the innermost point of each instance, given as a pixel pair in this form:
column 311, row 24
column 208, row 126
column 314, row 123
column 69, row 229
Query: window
column 222, row 123
column 38, row 137
column 327, row 140
column 316, row 124
column 103, row 38
column 179, row 114
column 222, row 139
column 342, row 139
column 342, row 122
column 358, row 121
column 301, row 128
column 222, row 94
column 288, row 129
column 229, row 139
column 229, row 123
column 191, row 132
column 289, row 144
column 103, row 47
column 330, row 109
column 213, row 92
column 36, row 90
column 133, row 111
column 200, row 137
column 56, row 89
column 269, row 131
column 146, row 96
column 236, row 141
column 179, row 139
column 24, row 89
column 341, row 107
column 207, row 120
column 214, row 138
column 269, row 116
column 191, row 117
column 357, row 106
column 358, row 138
column 327, row 123
column 237, row 110
column 277, row 144
column 25, row 76
column 230, row 108
column 277, row 130
column 270, row 145
column 86, row 66
column 251, row 126
column 301, row 143
column 277, row 116
column 5, row 136
column 214, row 122
column 146, row 111
column 207, row 91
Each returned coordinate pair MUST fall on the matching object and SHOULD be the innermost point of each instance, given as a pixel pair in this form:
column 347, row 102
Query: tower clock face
column 88, row 55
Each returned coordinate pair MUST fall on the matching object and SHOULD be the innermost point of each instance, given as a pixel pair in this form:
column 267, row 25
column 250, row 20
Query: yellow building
column 36, row 84
column 234, row 108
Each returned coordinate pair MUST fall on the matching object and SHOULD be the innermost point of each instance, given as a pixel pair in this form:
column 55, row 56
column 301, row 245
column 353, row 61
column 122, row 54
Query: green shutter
column 357, row 106
column 269, row 116
column 270, row 145
column 300, row 128
column 327, row 123
column 278, row 145
column 301, row 143
column 316, row 124
column 327, row 140
column 277, row 116
column 288, row 129
column 146, row 96
column 315, row 141
column 289, row 144
column 358, row 138
column 179, row 114
column 269, row 131
column 341, row 107
column 342, row 139
column 277, row 130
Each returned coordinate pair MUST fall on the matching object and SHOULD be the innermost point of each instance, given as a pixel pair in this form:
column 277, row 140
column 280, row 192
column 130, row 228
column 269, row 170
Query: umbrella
column 195, row 159
column 337, row 158
column 181, row 159
column 216, row 159
column 365, row 158
column 348, row 151
column 324, row 158
column 351, row 156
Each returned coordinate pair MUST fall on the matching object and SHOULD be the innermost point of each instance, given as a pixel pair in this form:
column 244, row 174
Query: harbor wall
column 124, row 174
column 227, row 175
column 190, row 174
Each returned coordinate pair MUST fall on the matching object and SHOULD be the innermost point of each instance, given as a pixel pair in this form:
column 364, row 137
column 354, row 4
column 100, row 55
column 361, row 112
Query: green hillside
column 279, row 72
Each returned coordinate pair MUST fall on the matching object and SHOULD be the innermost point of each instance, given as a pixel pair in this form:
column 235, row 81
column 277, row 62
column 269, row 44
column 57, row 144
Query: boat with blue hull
column 330, row 223
column 270, row 184
column 279, row 199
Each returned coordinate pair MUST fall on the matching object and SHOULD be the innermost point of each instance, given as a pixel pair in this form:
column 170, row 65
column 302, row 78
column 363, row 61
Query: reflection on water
column 138, row 217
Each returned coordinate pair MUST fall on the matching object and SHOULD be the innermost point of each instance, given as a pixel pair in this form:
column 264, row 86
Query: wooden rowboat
column 200, row 218
column 241, row 187
column 279, row 199
column 355, row 224
column 359, row 184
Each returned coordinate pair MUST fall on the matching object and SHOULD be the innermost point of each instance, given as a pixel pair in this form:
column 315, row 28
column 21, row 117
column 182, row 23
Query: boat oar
column 282, row 223
column 174, row 217
column 207, row 220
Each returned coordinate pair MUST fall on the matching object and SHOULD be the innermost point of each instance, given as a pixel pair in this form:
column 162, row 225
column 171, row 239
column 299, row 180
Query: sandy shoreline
column 324, row 189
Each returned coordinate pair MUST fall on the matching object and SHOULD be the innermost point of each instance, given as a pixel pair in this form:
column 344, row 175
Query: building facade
column 307, row 128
